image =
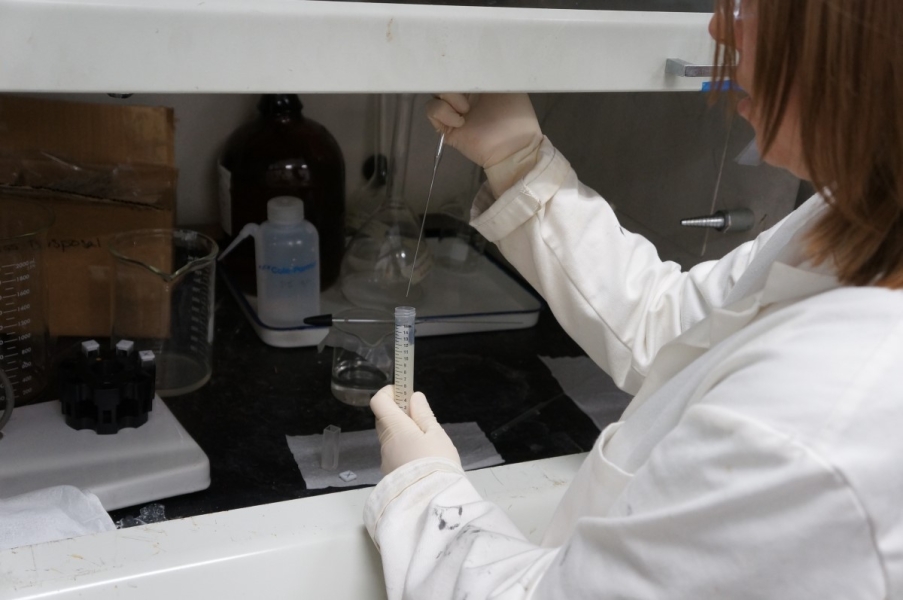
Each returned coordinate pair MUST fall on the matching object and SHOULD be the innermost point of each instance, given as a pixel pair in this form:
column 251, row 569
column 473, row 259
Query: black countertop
column 258, row 394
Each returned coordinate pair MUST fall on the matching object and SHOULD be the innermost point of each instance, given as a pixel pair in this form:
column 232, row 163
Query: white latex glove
column 499, row 132
column 404, row 438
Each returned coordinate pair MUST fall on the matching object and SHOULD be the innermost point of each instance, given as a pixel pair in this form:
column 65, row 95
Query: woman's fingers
column 390, row 419
column 421, row 412
column 383, row 402
column 460, row 102
column 443, row 116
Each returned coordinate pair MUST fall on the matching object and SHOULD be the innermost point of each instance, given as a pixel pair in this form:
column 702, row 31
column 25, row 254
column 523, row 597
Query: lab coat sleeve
column 440, row 540
column 724, row 508
column 606, row 286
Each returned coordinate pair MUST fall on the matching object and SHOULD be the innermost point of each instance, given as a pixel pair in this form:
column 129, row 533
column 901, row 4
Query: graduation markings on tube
column 404, row 355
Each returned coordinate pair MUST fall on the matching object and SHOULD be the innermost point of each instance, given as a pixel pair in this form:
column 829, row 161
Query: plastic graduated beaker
column 163, row 301
column 24, row 335
column 363, row 355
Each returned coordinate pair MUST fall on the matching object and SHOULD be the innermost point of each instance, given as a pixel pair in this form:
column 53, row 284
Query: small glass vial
column 329, row 454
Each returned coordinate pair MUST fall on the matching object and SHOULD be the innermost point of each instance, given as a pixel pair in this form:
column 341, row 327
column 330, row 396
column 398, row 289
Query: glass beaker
column 379, row 264
column 163, row 301
column 362, row 356
column 24, row 335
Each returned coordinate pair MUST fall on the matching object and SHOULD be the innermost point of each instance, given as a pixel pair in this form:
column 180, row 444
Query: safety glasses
column 743, row 9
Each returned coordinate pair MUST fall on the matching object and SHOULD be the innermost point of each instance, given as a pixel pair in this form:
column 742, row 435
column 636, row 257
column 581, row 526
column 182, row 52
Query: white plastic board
column 134, row 466
column 486, row 299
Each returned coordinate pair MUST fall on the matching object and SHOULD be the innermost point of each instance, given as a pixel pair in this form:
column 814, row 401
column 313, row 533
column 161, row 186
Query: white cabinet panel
column 311, row 46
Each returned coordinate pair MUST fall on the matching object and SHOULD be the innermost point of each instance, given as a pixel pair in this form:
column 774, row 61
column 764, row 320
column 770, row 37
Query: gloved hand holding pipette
column 406, row 438
column 499, row 132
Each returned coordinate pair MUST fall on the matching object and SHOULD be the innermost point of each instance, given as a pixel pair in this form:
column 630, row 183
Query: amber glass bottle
column 282, row 153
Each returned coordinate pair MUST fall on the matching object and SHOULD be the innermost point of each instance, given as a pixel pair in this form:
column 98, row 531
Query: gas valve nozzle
column 738, row 219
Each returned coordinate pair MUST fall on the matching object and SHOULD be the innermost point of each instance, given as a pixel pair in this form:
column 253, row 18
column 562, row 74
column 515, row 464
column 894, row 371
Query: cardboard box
column 103, row 169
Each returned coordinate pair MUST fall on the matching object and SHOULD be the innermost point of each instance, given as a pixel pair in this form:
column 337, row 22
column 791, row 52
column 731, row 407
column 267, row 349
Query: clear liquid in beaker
column 362, row 359
column 354, row 380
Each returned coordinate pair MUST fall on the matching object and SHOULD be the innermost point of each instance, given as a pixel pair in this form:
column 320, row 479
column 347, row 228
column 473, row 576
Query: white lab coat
column 761, row 457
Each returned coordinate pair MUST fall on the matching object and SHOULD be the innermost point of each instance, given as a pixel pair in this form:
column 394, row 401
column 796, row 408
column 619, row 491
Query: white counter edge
column 313, row 548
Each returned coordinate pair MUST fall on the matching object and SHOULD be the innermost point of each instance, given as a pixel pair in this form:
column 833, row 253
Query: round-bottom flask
column 379, row 263
column 379, row 269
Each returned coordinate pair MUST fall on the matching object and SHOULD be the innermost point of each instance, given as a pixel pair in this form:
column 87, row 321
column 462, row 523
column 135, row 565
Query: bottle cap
column 285, row 210
column 277, row 104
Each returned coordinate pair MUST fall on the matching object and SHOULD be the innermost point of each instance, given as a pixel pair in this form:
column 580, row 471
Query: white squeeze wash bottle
column 288, row 263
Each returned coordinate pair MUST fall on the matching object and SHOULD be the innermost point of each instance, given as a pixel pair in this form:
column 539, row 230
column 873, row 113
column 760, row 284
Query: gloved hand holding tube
column 499, row 132
column 404, row 438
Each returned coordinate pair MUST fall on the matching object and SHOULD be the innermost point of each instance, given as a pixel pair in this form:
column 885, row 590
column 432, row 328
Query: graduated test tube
column 404, row 355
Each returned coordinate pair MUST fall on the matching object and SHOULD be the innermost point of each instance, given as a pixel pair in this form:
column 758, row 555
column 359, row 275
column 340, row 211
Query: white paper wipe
column 359, row 452
column 589, row 387
column 50, row 514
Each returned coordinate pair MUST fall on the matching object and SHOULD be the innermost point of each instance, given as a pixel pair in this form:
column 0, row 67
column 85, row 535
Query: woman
column 760, row 457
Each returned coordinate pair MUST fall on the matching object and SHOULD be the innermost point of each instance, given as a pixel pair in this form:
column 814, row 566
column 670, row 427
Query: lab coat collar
column 780, row 273
column 784, row 285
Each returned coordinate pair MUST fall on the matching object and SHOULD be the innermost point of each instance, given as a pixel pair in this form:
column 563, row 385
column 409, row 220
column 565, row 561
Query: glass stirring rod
column 405, row 315
column 426, row 208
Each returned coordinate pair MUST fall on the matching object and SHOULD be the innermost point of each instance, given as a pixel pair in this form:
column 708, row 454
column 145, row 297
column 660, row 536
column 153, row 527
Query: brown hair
column 845, row 60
